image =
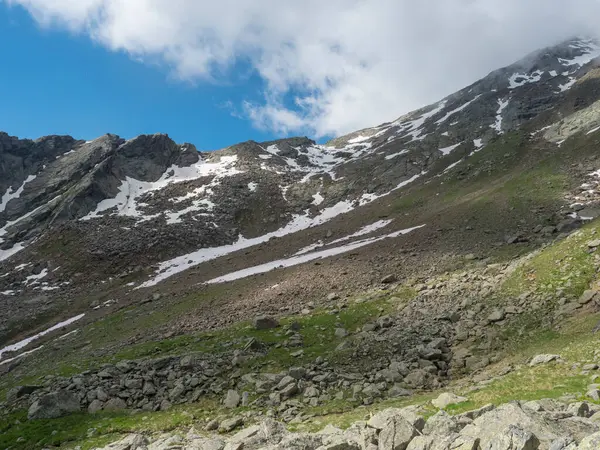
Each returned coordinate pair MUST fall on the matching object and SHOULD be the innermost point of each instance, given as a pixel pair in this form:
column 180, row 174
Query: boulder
column 115, row 404
column 513, row 438
column 232, row 399
column 20, row 391
column 446, row 399
column 496, row 315
column 492, row 424
column 131, row 442
column 441, row 424
column 587, row 297
column 380, row 420
column 396, row 434
column 543, row 359
column 53, row 405
column 265, row 323
column 95, row 406
column 590, row 443
column 388, row 279
column 230, row 424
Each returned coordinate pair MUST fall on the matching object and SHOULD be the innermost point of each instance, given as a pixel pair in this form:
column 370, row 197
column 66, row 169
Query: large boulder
column 590, row 443
column 514, row 438
column 53, row 405
column 489, row 426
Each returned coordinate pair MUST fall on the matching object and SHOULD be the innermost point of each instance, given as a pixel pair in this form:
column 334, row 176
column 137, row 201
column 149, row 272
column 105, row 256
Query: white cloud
column 347, row 64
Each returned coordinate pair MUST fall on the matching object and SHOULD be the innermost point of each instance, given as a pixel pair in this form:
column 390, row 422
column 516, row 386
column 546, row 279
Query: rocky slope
column 544, row 424
column 397, row 259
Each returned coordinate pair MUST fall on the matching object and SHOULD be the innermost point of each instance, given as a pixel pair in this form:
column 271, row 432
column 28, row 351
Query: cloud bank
column 328, row 67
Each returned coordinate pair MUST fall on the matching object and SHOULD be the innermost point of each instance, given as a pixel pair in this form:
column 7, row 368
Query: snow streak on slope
column 459, row 109
column 300, row 259
column 5, row 254
column 367, row 229
column 301, row 222
column 25, row 342
column 413, row 127
column 368, row 198
column 447, row 150
column 10, row 194
column 502, row 104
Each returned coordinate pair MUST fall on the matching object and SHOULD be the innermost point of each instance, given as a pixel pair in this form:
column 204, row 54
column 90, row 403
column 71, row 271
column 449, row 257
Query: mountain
column 144, row 240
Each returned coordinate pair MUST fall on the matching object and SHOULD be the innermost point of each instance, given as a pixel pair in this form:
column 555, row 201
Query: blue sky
column 285, row 67
column 55, row 82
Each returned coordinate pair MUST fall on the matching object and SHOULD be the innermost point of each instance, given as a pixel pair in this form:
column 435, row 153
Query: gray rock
column 543, row 359
column 593, row 244
column 590, row 443
column 474, row 414
column 492, row 424
column 212, row 425
column 340, row 333
column 587, row 297
column 201, row 443
column 497, row 315
column 513, row 438
column 388, row 279
column 53, row 405
column 101, row 395
column 396, row 434
column 115, row 404
column 565, row 443
column 594, row 394
column 398, row 391
column 579, row 409
column 379, row 420
column 265, row 323
column 232, row 399
column 446, row 399
column 20, row 391
column 441, row 423
column 230, row 424
column 95, row 406
column 131, row 442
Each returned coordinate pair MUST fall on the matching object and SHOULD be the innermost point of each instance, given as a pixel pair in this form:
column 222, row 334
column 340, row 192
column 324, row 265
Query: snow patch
column 252, row 186
column 10, row 194
column 593, row 130
column 368, row 198
column 300, row 259
column 300, row 222
column 19, row 345
column 35, row 278
column 524, row 78
column 502, row 104
column 459, row 109
column 568, row 85
column 317, row 199
column 452, row 166
column 414, row 126
column 367, row 229
column 393, row 155
column 590, row 49
column 447, row 150
column 131, row 189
